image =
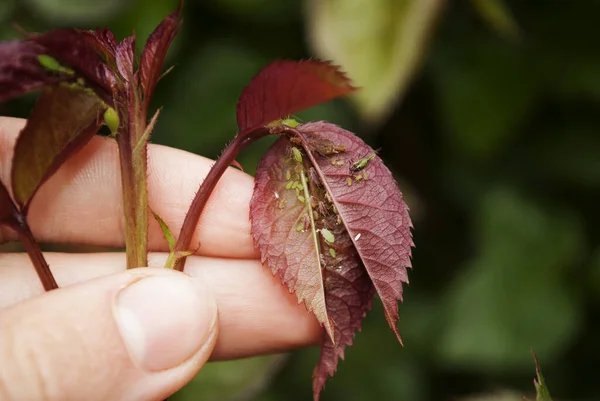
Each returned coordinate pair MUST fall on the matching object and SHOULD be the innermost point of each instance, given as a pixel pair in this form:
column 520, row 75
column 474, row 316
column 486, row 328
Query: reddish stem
column 208, row 185
column 35, row 254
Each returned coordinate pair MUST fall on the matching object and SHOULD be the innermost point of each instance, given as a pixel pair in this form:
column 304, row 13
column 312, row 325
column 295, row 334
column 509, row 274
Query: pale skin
column 74, row 327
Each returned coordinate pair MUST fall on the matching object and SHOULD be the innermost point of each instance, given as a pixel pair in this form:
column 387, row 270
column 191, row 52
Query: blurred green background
column 489, row 115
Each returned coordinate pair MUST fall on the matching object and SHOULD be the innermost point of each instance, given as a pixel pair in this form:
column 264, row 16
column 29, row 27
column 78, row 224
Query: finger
column 257, row 314
column 82, row 203
column 136, row 335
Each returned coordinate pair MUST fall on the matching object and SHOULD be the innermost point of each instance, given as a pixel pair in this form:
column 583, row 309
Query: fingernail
column 164, row 320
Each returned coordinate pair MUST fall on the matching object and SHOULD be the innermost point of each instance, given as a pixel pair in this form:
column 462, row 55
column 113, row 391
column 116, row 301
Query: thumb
column 137, row 335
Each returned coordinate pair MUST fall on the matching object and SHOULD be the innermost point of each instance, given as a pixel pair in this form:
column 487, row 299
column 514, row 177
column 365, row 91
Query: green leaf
column 541, row 390
column 165, row 230
column 498, row 16
column 63, row 120
column 513, row 295
column 380, row 43
column 173, row 256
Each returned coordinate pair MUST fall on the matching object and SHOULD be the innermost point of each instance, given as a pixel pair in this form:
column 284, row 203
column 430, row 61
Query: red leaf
column 73, row 48
column 285, row 87
column 350, row 230
column 20, row 70
column 103, row 41
column 155, row 51
column 276, row 215
column 348, row 294
column 64, row 119
column 373, row 211
column 118, row 56
column 124, row 57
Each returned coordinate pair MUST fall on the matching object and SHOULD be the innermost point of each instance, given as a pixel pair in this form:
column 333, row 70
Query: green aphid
column 362, row 163
column 289, row 185
column 301, row 199
column 332, row 252
column 300, row 227
column 297, row 154
column 288, row 175
column 290, row 122
column 52, row 64
column 111, row 119
column 295, row 184
column 328, row 235
column 300, row 187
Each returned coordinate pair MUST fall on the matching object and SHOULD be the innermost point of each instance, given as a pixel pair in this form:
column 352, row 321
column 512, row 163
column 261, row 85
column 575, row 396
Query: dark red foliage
column 329, row 219
column 372, row 208
column 104, row 43
column 72, row 49
column 64, row 119
column 155, row 51
column 124, row 58
column 20, row 70
column 285, row 87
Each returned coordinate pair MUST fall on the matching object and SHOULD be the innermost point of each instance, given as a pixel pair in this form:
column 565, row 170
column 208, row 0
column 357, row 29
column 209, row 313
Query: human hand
column 112, row 334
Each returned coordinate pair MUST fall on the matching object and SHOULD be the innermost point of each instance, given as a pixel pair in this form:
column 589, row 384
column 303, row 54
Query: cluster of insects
column 318, row 212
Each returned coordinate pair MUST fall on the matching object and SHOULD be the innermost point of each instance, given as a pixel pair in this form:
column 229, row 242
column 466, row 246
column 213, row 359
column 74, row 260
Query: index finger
column 82, row 202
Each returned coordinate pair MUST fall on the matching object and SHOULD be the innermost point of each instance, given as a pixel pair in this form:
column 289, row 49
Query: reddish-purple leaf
column 155, row 51
column 64, row 119
column 348, row 294
column 347, row 226
column 104, row 43
column 8, row 211
column 124, row 57
column 71, row 47
column 372, row 208
column 20, row 69
column 282, row 230
column 285, row 87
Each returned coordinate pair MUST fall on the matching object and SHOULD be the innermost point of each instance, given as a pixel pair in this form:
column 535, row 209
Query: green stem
column 134, row 160
column 35, row 254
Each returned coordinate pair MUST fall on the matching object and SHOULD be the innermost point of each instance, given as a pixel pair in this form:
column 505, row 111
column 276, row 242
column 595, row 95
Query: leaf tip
column 285, row 87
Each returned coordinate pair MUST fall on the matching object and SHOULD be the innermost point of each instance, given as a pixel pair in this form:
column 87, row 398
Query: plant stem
column 35, row 254
column 208, row 185
column 134, row 160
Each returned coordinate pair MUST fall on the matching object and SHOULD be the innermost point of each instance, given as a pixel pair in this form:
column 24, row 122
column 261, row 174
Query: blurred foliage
column 497, row 143
column 380, row 43
column 498, row 16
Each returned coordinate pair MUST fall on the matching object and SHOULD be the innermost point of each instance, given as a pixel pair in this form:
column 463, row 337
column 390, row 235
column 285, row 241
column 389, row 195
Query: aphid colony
column 319, row 212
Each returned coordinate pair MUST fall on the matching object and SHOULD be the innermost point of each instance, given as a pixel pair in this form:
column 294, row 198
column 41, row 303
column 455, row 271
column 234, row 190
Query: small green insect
column 288, row 175
column 52, row 64
column 332, row 252
column 362, row 163
column 301, row 199
column 297, row 154
column 327, row 235
column 111, row 119
column 290, row 122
